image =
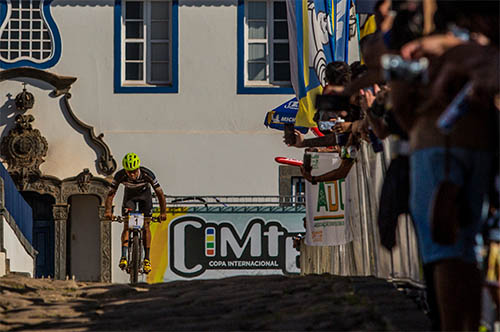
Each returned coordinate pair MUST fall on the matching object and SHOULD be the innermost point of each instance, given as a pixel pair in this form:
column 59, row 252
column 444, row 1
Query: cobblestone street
column 316, row 302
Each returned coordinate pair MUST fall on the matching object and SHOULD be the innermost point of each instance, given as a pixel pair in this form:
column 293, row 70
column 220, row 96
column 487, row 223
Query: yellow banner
column 159, row 244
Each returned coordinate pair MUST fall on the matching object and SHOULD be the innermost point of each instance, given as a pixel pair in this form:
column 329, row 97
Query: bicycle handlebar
column 121, row 219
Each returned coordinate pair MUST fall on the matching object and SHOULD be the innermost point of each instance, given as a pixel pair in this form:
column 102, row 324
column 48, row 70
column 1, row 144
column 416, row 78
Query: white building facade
column 184, row 84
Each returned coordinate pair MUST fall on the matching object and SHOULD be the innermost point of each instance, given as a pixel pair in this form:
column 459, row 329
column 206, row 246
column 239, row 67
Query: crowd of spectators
column 429, row 78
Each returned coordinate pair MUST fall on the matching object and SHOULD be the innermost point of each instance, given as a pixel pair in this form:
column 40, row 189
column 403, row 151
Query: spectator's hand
column 360, row 127
column 305, row 174
column 342, row 127
column 321, row 149
column 299, row 140
column 108, row 215
column 163, row 216
column 434, row 45
column 367, row 97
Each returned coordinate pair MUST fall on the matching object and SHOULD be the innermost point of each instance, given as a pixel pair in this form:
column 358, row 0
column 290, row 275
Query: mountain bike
column 135, row 249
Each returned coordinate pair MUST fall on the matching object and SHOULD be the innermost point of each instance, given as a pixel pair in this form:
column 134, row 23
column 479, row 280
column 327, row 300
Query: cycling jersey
column 138, row 185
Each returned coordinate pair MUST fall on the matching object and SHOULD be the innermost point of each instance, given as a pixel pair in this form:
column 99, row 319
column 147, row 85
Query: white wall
column 204, row 140
column 19, row 259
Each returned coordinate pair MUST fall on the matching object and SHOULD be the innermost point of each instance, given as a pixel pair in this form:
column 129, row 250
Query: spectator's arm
column 378, row 125
column 404, row 96
column 327, row 140
column 301, row 142
column 360, row 127
column 434, row 45
column 336, row 174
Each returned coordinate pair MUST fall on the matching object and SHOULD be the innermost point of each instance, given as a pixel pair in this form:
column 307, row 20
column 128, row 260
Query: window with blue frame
column 263, row 48
column 28, row 34
column 146, row 35
column 298, row 189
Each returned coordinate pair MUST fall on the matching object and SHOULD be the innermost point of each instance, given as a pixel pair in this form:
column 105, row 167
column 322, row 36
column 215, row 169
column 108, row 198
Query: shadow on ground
column 315, row 302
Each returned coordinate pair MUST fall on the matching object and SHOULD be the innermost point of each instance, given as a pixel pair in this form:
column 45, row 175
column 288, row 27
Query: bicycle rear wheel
column 134, row 264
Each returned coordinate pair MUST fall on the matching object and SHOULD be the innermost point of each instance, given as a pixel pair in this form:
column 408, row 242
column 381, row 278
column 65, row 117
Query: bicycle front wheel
column 134, row 268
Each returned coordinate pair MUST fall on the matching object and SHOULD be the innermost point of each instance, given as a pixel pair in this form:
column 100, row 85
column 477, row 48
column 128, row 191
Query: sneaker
column 147, row 266
column 123, row 263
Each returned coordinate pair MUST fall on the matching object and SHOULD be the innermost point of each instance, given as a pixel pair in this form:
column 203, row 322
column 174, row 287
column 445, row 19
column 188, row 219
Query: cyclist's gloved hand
column 163, row 216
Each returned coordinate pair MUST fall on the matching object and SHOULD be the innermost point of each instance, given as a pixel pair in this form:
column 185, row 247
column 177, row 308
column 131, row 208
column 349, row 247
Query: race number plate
column 136, row 221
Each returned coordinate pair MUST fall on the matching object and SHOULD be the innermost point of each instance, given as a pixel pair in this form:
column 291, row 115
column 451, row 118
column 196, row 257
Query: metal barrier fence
column 236, row 204
column 235, row 200
column 365, row 255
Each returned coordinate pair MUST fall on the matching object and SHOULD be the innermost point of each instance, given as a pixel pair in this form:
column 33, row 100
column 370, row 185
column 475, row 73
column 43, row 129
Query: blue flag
column 318, row 34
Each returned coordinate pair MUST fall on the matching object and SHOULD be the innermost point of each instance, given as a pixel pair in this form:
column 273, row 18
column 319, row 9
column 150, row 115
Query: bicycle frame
column 136, row 222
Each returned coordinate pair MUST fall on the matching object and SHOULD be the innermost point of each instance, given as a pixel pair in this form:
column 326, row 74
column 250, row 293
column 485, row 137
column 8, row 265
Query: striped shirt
column 146, row 176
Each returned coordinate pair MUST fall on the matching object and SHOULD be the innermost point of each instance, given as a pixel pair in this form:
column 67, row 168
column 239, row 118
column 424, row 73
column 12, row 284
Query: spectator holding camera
column 394, row 196
column 338, row 75
column 452, row 167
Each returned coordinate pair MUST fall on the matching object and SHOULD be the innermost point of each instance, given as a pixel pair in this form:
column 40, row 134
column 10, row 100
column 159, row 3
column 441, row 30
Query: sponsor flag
column 284, row 113
column 318, row 34
column 326, row 205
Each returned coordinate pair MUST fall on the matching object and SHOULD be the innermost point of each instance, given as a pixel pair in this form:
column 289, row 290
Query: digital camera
column 395, row 68
column 307, row 162
column 289, row 129
column 326, row 125
column 332, row 103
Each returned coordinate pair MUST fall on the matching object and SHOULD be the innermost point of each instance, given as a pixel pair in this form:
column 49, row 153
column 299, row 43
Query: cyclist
column 137, row 181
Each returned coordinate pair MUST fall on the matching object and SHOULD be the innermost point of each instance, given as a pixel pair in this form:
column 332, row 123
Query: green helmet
column 131, row 162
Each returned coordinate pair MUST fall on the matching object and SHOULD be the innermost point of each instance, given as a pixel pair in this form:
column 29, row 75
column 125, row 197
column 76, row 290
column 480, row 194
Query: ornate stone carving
column 60, row 211
column 101, row 211
column 61, row 84
column 24, row 149
column 46, row 185
column 83, row 180
column 60, row 247
column 84, row 183
column 25, row 100
column 105, row 250
column 106, row 164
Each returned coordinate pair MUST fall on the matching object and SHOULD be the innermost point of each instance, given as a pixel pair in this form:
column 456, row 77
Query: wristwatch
column 313, row 180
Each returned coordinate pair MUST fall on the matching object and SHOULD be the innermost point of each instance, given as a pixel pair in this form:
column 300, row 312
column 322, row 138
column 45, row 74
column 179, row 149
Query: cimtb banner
column 218, row 245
